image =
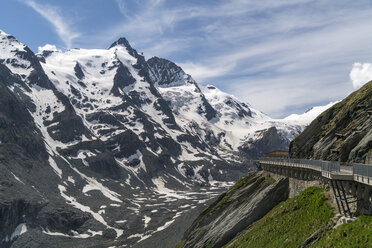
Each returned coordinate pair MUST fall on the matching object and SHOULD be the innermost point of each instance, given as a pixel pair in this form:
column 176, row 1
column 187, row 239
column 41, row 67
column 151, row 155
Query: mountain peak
column 7, row 36
column 121, row 42
column 3, row 33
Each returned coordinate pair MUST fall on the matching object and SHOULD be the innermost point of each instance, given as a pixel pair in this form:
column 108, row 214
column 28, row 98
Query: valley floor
column 149, row 218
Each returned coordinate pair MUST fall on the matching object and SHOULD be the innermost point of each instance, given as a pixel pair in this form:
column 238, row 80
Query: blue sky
column 282, row 57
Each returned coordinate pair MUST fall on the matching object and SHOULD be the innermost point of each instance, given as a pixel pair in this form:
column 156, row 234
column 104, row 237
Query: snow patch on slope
column 72, row 201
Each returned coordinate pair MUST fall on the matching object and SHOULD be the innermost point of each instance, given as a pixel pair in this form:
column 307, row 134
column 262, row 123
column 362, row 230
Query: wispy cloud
column 53, row 15
column 280, row 56
column 151, row 20
column 204, row 72
column 122, row 7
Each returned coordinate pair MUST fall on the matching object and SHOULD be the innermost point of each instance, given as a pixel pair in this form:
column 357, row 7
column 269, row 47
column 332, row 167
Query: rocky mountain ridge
column 101, row 147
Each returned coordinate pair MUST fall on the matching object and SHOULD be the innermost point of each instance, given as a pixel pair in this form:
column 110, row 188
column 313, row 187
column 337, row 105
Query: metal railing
column 329, row 167
column 360, row 172
column 318, row 165
column 362, row 169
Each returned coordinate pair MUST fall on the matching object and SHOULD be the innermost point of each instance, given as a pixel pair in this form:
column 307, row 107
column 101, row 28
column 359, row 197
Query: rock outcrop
column 247, row 201
column 270, row 139
column 341, row 133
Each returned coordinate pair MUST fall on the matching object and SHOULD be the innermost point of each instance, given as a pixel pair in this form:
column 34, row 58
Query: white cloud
column 54, row 17
column 201, row 73
column 47, row 47
column 360, row 74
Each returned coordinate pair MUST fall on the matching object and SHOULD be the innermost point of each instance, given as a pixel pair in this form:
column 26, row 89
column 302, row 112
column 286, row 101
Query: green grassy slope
column 357, row 234
column 289, row 223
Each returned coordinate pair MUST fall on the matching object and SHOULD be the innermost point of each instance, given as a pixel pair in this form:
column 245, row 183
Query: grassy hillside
column 292, row 222
column 355, row 234
column 289, row 223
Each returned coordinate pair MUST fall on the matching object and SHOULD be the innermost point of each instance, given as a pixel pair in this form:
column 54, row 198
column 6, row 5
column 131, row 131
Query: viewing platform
column 354, row 180
column 361, row 173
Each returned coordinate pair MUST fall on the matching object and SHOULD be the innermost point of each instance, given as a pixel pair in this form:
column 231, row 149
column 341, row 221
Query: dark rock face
column 122, row 79
column 105, row 165
column 270, row 139
column 242, row 111
column 63, row 219
column 15, row 212
column 16, row 124
column 206, row 109
column 247, row 201
column 166, row 72
column 341, row 133
column 67, row 126
column 78, row 71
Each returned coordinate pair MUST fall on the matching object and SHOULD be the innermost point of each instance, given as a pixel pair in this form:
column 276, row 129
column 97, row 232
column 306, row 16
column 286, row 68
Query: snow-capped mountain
column 307, row 117
column 102, row 147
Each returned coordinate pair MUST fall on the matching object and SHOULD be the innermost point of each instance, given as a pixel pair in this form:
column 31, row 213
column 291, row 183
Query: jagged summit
column 124, row 43
column 8, row 39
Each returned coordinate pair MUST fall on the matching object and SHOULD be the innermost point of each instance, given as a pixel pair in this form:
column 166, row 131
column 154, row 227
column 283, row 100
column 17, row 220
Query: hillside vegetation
column 304, row 220
column 289, row 223
column 355, row 234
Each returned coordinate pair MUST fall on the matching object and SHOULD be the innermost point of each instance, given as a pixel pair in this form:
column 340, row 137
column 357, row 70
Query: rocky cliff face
column 247, row 201
column 341, row 133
